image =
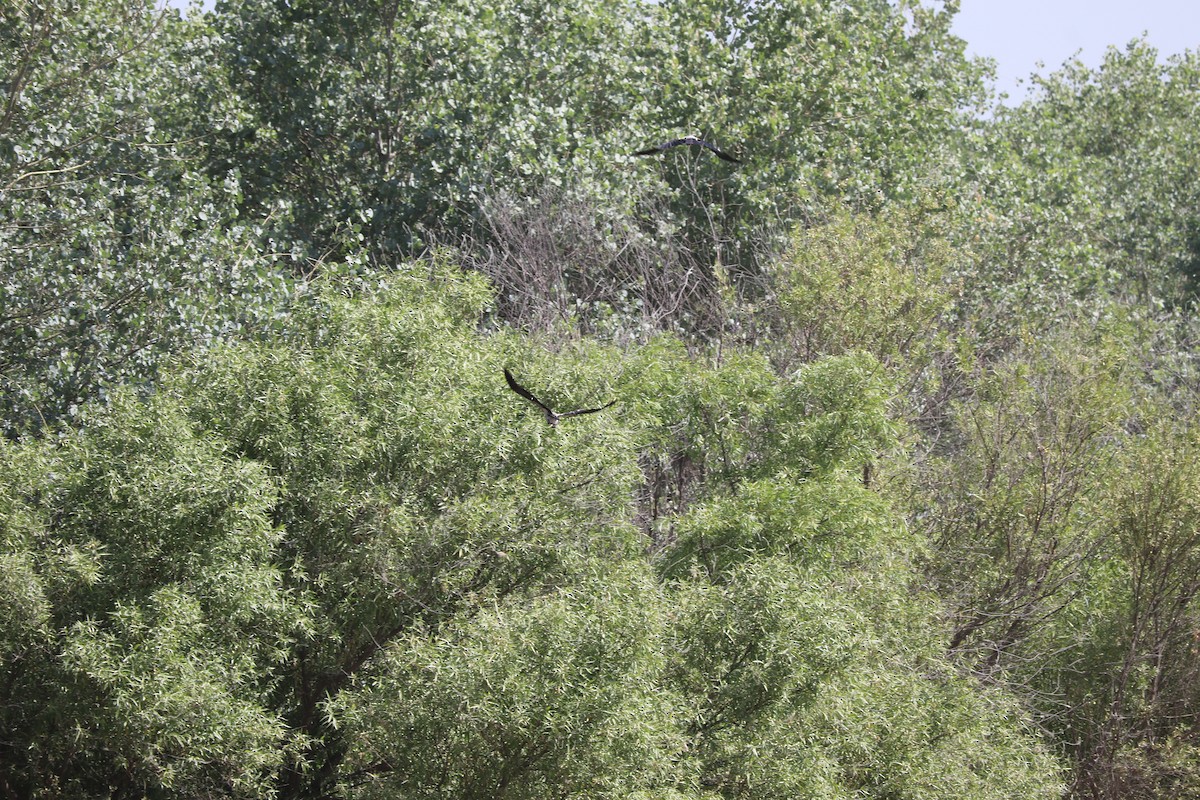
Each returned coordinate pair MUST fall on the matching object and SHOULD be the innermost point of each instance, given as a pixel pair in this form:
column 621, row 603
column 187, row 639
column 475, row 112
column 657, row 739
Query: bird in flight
column 551, row 416
column 688, row 140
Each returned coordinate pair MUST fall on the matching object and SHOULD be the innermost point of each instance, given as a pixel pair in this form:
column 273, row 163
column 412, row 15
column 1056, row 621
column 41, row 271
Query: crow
column 688, row 140
column 551, row 417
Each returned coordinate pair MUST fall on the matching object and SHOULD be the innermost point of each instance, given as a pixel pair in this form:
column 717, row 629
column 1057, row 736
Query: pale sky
column 1020, row 33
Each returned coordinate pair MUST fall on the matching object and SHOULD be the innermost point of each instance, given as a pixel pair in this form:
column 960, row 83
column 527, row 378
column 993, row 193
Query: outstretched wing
column 720, row 154
column 528, row 395
column 658, row 148
column 688, row 140
column 586, row 410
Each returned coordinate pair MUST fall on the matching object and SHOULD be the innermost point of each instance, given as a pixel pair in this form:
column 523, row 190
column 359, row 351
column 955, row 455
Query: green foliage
column 398, row 120
column 1142, row 631
column 1158, row 770
column 1064, row 536
column 557, row 695
column 896, row 725
column 1089, row 190
column 1012, row 504
column 861, row 283
column 181, row 709
column 1076, row 226
column 116, row 247
column 355, row 562
column 171, row 177
column 157, row 611
column 402, row 115
column 897, row 498
column 792, row 629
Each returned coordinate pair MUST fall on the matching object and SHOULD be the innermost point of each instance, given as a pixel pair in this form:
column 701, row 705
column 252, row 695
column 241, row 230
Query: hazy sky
column 1019, row 33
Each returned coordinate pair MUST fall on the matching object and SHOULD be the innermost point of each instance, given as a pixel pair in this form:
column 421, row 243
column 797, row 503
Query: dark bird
column 551, row 416
column 688, row 140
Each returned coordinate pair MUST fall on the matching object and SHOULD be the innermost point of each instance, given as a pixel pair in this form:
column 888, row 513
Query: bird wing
column 658, row 148
column 528, row 395
column 688, row 140
column 719, row 153
column 586, row 410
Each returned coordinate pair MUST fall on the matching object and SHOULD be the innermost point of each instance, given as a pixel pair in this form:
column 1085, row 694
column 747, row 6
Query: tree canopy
column 895, row 498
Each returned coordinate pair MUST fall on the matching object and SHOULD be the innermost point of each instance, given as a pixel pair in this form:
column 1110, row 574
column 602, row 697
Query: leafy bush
column 117, row 246
column 356, row 562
